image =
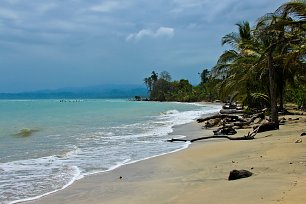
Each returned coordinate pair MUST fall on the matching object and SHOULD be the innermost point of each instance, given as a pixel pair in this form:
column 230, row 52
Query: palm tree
column 280, row 32
column 151, row 84
column 237, row 66
column 274, row 51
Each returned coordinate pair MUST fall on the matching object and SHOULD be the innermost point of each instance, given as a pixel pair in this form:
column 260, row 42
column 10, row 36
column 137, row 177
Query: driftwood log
column 251, row 120
column 245, row 137
column 231, row 111
column 266, row 127
column 221, row 116
column 225, row 130
column 229, row 121
column 249, row 136
column 236, row 119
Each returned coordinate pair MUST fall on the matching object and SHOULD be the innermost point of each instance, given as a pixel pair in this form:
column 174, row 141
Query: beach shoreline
column 198, row 173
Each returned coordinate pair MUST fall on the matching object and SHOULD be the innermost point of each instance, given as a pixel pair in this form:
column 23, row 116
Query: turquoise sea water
column 45, row 145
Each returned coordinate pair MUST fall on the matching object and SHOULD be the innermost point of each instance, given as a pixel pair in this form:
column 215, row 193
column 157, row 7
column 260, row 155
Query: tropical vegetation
column 162, row 88
column 264, row 67
column 267, row 60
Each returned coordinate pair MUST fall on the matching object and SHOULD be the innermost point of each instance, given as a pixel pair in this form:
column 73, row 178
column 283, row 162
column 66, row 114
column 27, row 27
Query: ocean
column 45, row 145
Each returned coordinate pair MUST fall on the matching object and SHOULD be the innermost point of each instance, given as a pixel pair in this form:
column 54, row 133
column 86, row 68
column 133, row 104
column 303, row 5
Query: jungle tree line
column 264, row 67
column 266, row 60
column 161, row 88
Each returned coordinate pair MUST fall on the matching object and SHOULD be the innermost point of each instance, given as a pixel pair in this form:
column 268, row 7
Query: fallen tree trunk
column 249, row 136
column 212, row 137
column 252, row 119
column 177, row 140
column 223, row 136
column 231, row 111
column 267, row 127
column 225, row 130
column 221, row 116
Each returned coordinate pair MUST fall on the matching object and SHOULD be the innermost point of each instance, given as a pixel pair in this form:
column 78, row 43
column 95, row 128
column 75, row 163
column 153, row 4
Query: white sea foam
column 74, row 178
column 23, row 177
column 97, row 150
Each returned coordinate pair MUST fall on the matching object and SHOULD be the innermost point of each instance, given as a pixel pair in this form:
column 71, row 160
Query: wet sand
column 199, row 173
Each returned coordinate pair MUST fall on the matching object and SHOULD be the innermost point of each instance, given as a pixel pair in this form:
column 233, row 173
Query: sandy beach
column 199, row 174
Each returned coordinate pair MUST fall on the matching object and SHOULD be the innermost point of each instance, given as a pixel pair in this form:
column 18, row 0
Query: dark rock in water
column 238, row 174
column 26, row 132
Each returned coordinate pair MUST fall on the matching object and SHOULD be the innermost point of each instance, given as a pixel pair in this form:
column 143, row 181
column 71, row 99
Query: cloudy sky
column 49, row 44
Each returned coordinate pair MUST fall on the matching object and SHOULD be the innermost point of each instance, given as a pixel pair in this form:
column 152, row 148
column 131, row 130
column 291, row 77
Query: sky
column 51, row 44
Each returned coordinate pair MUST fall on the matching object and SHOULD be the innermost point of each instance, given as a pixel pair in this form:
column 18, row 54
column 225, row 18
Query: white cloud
column 13, row 1
column 160, row 32
column 107, row 6
column 181, row 5
column 46, row 7
column 9, row 14
column 164, row 32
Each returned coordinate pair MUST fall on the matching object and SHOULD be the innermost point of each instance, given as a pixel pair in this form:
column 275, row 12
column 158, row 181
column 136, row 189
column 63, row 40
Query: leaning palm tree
column 274, row 51
column 237, row 66
column 280, row 32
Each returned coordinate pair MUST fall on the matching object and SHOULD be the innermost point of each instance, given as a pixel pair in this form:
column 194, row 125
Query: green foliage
column 163, row 89
column 297, row 95
column 265, row 59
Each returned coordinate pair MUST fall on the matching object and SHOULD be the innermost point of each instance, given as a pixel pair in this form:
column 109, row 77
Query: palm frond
column 296, row 9
column 260, row 96
column 231, row 39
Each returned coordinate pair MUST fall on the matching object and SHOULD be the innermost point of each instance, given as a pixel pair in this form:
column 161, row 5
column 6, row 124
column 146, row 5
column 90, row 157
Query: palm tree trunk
column 281, row 88
column 281, row 101
column 273, row 90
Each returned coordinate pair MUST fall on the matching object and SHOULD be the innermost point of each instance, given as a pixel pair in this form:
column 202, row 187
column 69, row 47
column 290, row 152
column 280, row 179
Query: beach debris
column 282, row 121
column 266, row 127
column 222, row 116
column 212, row 123
column 239, row 174
column 232, row 108
column 120, row 177
column 290, row 119
column 231, row 120
column 249, row 136
column 231, row 111
column 299, row 141
column 176, row 140
column 225, row 131
column 229, row 106
column 303, row 134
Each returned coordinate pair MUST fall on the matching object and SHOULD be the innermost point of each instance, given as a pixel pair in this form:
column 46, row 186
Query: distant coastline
column 94, row 92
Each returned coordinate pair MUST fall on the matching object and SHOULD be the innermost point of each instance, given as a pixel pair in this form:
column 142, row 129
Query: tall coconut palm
column 237, row 66
column 274, row 50
column 279, row 32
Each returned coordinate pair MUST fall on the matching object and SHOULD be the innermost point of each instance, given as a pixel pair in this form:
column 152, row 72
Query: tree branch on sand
column 231, row 120
column 249, row 136
column 228, row 122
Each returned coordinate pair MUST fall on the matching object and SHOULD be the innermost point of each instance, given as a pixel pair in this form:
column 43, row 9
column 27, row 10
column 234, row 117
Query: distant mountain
column 101, row 91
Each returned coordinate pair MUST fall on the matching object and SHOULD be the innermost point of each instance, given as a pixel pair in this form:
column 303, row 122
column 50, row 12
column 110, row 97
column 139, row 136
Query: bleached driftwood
column 249, row 136
column 221, row 116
